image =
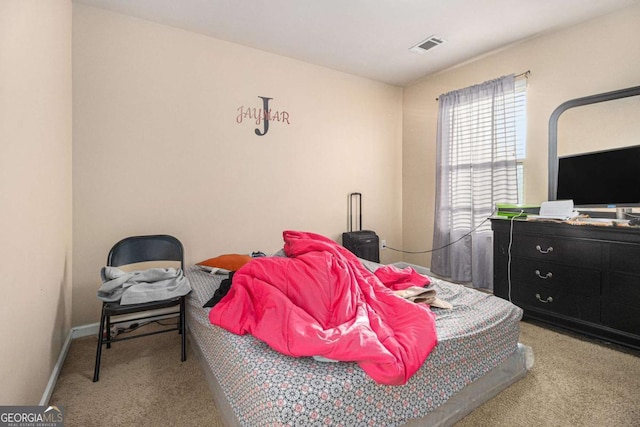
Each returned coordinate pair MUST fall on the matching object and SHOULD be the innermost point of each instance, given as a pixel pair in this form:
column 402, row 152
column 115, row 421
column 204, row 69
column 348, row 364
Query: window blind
column 486, row 132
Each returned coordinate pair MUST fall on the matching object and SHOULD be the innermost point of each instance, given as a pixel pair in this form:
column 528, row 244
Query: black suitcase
column 364, row 244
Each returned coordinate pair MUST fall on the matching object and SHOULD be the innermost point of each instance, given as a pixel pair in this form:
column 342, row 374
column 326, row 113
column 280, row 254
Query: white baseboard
column 85, row 330
column 77, row 332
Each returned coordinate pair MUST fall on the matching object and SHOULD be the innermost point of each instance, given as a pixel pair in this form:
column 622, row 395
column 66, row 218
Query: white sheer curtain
column 476, row 168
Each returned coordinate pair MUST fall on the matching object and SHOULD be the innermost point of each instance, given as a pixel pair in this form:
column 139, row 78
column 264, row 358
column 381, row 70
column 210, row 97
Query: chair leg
column 96, row 370
column 183, row 329
column 108, row 331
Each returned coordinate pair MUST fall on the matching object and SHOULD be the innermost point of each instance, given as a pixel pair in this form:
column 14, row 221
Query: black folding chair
column 162, row 250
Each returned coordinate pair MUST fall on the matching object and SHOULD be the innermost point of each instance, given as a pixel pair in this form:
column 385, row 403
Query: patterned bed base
column 477, row 356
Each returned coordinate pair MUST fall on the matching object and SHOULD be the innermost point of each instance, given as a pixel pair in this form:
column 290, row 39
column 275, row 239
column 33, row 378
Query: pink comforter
column 321, row 301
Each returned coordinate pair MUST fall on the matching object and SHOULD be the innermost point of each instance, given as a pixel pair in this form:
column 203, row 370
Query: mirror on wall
column 593, row 127
column 599, row 122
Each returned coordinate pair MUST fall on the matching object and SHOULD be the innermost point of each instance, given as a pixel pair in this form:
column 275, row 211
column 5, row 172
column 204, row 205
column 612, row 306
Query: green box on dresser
column 585, row 278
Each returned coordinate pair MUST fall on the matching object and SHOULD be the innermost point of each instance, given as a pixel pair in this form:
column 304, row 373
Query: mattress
column 477, row 356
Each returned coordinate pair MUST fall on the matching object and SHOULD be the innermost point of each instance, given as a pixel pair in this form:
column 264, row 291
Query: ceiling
column 369, row 38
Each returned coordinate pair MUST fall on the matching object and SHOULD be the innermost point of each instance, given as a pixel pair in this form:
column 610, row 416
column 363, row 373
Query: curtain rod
column 526, row 75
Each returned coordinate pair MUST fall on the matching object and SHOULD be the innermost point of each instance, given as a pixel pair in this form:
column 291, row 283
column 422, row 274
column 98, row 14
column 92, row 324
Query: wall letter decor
column 265, row 108
column 263, row 115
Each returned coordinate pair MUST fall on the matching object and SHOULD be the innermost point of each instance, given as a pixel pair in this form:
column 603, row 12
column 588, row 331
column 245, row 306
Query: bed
column 477, row 356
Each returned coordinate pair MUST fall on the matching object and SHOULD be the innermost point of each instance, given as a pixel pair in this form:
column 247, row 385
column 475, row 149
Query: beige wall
column 157, row 148
column 35, row 193
column 590, row 58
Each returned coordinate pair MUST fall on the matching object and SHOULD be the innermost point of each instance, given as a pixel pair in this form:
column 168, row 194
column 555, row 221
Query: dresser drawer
column 625, row 258
column 622, row 317
column 540, row 298
column 567, row 251
column 625, row 289
column 555, row 277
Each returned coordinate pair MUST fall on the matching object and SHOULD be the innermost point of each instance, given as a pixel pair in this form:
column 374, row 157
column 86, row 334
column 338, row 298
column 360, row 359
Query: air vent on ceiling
column 429, row 43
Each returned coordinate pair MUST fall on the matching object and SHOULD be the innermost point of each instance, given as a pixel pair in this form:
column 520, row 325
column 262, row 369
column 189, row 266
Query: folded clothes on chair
column 140, row 286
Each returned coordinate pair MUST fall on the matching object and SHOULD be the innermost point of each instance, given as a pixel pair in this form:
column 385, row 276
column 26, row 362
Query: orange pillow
column 231, row 262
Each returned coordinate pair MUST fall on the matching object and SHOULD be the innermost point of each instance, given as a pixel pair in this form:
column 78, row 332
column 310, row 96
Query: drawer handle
column 546, row 251
column 549, row 299
column 549, row 275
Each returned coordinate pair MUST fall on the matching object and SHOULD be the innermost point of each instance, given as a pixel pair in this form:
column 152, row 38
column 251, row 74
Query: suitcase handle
column 352, row 199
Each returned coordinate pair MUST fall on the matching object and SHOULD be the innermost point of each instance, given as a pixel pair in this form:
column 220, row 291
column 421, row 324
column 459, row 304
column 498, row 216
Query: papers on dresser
column 556, row 209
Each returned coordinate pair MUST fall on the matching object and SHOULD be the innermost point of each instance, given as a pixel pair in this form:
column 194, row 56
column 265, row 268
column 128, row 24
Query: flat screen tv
column 602, row 179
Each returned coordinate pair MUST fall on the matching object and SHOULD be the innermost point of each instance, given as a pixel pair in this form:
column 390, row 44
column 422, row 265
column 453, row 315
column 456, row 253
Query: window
column 485, row 132
column 481, row 152
column 520, row 111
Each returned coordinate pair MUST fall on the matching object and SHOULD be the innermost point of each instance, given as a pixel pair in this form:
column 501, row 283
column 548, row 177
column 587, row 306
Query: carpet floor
column 574, row 382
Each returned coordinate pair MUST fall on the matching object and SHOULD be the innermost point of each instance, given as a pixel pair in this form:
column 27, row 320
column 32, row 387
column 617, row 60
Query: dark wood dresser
column 585, row 278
